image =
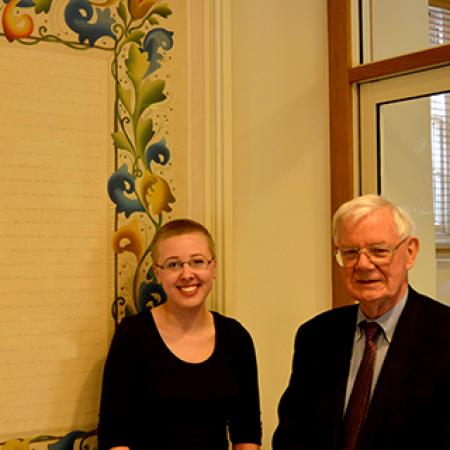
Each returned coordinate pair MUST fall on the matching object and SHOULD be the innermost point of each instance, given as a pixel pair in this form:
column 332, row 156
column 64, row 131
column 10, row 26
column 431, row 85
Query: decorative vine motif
column 131, row 31
column 137, row 95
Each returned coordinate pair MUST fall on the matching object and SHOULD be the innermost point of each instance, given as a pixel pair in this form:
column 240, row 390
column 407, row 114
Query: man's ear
column 213, row 268
column 412, row 248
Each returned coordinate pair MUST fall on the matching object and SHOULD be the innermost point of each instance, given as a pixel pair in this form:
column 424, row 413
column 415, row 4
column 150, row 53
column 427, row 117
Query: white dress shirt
column 387, row 322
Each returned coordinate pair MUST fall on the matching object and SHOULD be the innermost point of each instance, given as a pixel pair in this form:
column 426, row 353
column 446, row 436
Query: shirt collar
column 388, row 321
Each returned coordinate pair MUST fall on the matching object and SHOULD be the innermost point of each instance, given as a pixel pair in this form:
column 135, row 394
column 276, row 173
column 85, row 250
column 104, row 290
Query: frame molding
column 341, row 118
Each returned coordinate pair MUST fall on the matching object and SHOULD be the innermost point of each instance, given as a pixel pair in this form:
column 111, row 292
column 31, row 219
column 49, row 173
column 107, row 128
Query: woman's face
column 185, row 286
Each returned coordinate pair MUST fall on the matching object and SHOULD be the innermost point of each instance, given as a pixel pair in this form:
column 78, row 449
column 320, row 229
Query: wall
column 281, row 273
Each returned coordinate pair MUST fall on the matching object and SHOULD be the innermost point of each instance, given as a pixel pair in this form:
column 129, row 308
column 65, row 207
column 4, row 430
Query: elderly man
column 374, row 375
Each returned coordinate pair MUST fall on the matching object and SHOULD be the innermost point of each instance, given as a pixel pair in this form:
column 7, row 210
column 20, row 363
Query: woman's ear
column 156, row 271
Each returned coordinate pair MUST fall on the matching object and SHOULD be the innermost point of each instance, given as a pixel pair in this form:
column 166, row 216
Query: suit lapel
column 340, row 358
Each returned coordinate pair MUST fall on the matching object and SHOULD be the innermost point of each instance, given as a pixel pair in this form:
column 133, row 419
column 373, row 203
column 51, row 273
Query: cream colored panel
column 54, row 243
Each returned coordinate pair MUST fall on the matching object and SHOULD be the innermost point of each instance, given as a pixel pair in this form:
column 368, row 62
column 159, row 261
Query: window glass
column 390, row 28
column 405, row 156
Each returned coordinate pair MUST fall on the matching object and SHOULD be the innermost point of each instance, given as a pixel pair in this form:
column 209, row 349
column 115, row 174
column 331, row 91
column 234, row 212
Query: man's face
column 377, row 287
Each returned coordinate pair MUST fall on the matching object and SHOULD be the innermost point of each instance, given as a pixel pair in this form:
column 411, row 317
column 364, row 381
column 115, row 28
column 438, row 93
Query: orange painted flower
column 129, row 239
column 16, row 26
column 139, row 8
column 155, row 193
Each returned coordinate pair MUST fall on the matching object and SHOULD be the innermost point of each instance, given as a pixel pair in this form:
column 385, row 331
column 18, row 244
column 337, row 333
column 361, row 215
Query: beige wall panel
column 280, row 250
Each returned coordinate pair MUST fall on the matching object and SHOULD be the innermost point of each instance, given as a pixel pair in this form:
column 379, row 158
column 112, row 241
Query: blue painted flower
column 152, row 293
column 158, row 153
column 156, row 39
column 67, row 442
column 121, row 182
column 78, row 15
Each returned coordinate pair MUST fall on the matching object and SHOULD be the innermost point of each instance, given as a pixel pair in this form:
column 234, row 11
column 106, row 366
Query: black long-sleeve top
column 153, row 400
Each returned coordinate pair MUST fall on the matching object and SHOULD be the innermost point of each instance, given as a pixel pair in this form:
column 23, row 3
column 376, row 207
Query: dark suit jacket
column 410, row 407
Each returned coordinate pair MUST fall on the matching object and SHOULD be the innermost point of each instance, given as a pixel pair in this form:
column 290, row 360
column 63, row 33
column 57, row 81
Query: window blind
column 439, row 33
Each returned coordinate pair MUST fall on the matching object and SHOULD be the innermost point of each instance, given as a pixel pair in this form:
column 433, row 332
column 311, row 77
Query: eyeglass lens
column 199, row 263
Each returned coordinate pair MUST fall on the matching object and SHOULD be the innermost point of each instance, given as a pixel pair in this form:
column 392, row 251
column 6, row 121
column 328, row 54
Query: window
column 439, row 33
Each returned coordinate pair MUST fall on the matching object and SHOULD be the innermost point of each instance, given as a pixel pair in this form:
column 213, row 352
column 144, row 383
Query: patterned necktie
column 358, row 403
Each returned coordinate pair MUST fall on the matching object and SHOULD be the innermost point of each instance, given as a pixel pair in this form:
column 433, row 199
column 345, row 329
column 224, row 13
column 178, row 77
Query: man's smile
column 367, row 281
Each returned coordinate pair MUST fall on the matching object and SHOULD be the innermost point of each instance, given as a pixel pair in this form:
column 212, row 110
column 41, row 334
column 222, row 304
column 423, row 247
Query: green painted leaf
column 137, row 65
column 162, row 10
column 153, row 21
column 144, row 133
column 135, row 36
column 122, row 11
column 151, row 92
column 42, row 6
column 125, row 98
column 121, row 141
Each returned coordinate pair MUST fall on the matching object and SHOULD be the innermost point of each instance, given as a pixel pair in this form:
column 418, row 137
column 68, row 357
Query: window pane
column 390, row 28
column 439, row 33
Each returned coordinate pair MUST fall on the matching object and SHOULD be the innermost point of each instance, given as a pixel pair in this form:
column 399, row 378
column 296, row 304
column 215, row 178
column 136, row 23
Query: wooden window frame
column 343, row 77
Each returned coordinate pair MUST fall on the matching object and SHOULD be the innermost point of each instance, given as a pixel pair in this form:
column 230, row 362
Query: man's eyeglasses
column 176, row 265
column 378, row 254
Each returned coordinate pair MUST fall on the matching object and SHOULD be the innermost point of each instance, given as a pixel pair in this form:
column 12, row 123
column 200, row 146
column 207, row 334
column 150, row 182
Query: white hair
column 360, row 207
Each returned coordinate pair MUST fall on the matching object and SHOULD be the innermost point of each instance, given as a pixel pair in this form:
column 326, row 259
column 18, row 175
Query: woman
column 179, row 377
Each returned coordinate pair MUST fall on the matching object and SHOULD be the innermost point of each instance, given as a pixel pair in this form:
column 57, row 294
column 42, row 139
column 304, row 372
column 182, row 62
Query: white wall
column 281, row 272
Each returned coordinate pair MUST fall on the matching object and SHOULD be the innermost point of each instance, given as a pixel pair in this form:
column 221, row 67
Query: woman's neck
column 186, row 319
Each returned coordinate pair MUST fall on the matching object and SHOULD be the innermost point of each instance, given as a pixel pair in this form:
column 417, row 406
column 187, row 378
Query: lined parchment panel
column 55, row 260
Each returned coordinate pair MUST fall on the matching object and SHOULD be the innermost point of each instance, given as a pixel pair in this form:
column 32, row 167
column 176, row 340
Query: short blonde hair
column 179, row 227
column 360, row 207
